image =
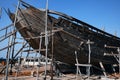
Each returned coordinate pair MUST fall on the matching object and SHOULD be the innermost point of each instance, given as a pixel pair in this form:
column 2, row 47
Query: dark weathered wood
column 69, row 39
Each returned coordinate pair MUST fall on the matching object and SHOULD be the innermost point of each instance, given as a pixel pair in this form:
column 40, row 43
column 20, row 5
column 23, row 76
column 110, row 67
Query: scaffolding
column 115, row 55
column 88, row 65
column 11, row 36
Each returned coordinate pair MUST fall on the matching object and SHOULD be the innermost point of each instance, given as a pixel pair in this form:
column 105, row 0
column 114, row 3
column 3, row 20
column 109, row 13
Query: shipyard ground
column 31, row 74
column 63, row 77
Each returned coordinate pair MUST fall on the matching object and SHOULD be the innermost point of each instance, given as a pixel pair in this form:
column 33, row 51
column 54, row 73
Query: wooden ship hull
column 69, row 35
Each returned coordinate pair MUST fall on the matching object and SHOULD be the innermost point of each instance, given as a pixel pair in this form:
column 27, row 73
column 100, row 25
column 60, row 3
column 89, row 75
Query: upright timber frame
column 117, row 56
column 84, row 65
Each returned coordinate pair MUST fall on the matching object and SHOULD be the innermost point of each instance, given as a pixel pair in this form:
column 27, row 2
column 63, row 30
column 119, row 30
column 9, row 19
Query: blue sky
column 99, row 13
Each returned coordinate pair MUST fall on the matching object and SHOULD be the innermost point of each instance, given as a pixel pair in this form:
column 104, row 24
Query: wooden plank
column 84, row 65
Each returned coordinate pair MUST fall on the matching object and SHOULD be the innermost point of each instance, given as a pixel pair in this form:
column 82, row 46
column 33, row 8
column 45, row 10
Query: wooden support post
column 14, row 57
column 46, row 39
column 119, row 58
column 101, row 65
column 14, row 35
column 52, row 48
column 114, row 69
column 89, row 58
column 7, row 61
column 117, row 55
column 78, row 70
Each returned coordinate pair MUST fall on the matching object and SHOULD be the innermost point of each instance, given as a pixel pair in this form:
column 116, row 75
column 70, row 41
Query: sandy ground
column 62, row 77
column 28, row 74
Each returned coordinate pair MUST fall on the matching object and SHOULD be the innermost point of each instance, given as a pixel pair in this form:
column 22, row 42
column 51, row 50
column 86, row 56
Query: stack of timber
column 70, row 35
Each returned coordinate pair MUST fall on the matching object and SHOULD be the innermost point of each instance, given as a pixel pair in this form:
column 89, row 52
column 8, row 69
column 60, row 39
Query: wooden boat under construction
column 68, row 35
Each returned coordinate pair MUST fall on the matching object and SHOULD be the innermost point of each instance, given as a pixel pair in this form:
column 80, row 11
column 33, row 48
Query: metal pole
column 46, row 39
